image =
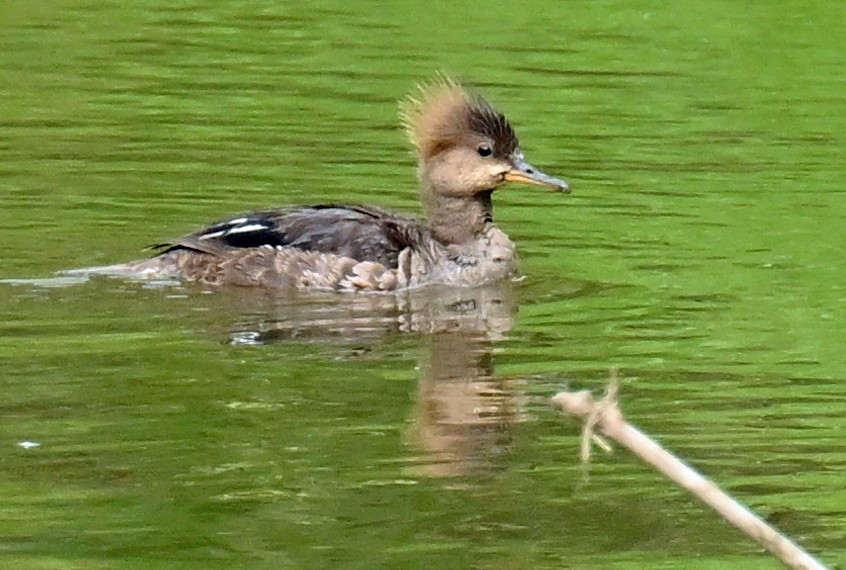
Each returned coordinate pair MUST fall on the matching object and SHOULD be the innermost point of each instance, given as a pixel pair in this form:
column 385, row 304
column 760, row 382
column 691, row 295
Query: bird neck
column 456, row 219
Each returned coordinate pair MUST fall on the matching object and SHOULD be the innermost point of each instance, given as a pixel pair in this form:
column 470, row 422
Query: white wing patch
column 248, row 228
column 213, row 235
column 235, row 226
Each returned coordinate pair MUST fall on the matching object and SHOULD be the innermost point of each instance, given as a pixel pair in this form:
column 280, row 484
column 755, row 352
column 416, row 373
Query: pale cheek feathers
column 497, row 171
column 462, row 172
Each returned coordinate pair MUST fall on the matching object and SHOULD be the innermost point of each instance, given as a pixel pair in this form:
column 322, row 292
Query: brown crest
column 443, row 113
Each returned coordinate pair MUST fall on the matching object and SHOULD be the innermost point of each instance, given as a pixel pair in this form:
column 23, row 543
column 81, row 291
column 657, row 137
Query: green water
column 701, row 253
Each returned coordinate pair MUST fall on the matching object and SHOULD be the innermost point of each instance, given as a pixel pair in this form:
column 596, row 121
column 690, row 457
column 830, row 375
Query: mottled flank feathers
column 488, row 259
column 442, row 114
column 272, row 267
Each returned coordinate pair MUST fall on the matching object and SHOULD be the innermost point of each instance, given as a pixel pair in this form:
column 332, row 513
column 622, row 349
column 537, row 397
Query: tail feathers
column 144, row 269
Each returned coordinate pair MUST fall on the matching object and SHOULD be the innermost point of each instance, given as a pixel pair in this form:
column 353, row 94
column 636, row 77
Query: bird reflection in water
column 462, row 413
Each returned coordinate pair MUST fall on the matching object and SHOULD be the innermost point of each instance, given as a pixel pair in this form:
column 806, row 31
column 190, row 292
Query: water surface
column 700, row 253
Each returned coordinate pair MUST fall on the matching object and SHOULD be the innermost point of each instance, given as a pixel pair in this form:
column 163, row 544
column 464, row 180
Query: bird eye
column 484, row 150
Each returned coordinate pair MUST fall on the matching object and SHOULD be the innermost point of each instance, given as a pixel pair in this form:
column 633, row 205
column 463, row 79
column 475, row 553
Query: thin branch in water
column 605, row 416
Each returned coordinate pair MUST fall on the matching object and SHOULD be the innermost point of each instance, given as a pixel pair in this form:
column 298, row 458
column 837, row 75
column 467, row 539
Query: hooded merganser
column 465, row 148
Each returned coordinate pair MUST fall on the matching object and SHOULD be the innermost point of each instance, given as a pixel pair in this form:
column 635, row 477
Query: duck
column 466, row 150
